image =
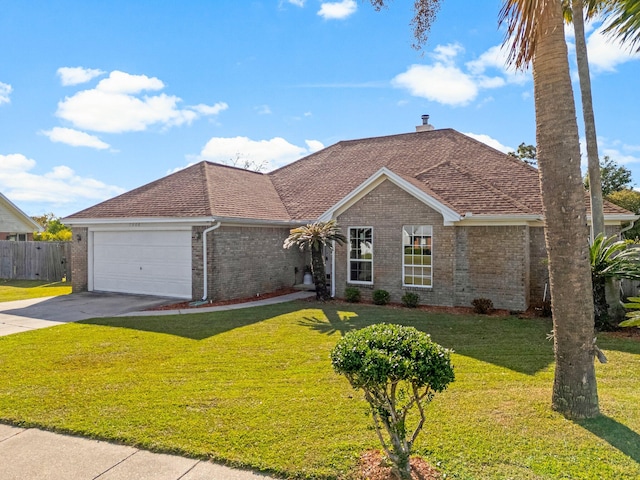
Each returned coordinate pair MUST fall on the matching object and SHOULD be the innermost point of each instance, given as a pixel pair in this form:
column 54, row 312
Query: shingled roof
column 202, row 190
column 464, row 174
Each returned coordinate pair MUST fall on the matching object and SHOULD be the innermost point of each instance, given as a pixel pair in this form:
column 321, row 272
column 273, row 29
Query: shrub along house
column 432, row 212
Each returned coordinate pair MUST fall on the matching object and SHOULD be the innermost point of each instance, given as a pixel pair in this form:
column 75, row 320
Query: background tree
column 526, row 153
column 535, row 32
column 614, row 177
column 54, row 229
column 398, row 369
column 629, row 199
column 315, row 237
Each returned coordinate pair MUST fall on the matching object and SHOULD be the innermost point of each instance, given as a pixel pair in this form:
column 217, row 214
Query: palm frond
column 624, row 21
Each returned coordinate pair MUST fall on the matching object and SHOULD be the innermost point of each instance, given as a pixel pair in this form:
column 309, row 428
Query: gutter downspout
column 205, row 272
column 333, row 269
column 628, row 227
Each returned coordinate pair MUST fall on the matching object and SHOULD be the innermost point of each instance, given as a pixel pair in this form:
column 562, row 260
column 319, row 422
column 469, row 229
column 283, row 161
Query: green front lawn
column 11, row 290
column 255, row 387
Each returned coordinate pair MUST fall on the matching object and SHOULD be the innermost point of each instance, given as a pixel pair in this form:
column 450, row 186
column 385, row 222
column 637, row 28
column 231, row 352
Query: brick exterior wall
column 246, row 261
column 468, row 262
column 79, row 259
column 387, row 209
column 493, row 262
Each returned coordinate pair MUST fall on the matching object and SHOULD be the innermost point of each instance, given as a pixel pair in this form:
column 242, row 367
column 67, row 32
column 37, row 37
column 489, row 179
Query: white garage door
column 143, row 262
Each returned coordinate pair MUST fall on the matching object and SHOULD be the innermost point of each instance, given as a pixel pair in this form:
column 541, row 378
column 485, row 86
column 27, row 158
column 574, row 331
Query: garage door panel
column 144, row 262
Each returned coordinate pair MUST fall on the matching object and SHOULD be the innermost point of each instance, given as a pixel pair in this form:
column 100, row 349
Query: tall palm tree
column 574, row 12
column 536, row 35
column 624, row 22
column 315, row 237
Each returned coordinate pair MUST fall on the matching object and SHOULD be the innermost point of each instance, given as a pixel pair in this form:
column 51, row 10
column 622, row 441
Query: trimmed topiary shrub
column 410, row 300
column 352, row 294
column 381, row 297
column 482, row 305
column 399, row 370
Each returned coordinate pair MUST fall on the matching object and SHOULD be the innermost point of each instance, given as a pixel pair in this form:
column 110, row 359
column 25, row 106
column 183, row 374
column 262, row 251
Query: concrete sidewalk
column 220, row 308
column 32, row 454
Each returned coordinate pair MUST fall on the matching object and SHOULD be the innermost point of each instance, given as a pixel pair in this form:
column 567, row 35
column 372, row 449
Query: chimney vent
column 425, row 127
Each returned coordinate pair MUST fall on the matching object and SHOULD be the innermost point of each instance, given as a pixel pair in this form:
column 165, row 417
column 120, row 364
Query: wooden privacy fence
column 47, row 261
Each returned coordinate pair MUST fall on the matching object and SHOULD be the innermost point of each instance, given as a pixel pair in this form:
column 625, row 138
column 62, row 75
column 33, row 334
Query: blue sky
column 97, row 98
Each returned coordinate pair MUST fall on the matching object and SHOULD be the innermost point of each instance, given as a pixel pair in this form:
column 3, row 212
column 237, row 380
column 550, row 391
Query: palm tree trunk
column 615, row 311
column 575, row 392
column 595, row 182
column 319, row 275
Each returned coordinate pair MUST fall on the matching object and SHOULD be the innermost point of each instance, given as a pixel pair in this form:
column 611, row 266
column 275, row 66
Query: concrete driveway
column 23, row 315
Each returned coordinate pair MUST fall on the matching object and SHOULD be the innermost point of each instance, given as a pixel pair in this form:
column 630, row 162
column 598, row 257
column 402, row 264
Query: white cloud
column 314, row 145
column 439, row 83
column 5, row 91
column 263, row 110
column 445, row 82
column 337, row 10
column 77, row 75
column 297, row 3
column 210, row 109
column 114, row 107
column 272, row 153
column 122, row 82
column 606, row 54
column 60, row 186
column 75, row 138
column 447, row 53
column 495, row 58
column 492, row 142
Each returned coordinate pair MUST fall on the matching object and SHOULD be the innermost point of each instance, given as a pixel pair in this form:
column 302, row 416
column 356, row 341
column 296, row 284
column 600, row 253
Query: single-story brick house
column 432, row 212
column 14, row 223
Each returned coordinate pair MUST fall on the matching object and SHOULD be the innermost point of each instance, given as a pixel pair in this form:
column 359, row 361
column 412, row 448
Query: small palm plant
column 315, row 237
column 633, row 317
column 610, row 258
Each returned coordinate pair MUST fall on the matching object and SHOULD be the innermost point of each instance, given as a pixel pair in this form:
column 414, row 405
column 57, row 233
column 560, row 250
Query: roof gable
column 14, row 220
column 376, row 179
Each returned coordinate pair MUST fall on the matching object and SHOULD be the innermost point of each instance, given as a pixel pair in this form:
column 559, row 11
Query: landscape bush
column 482, row 305
column 410, row 300
column 352, row 294
column 398, row 368
column 381, row 297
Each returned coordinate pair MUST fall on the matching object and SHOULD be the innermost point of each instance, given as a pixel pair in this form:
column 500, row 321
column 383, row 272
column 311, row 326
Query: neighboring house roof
column 461, row 174
column 14, row 220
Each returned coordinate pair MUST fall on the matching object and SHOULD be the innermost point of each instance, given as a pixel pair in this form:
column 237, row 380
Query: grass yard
column 11, row 290
column 255, row 388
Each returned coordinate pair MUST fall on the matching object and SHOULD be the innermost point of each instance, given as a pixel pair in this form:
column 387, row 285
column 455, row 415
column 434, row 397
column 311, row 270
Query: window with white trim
column 361, row 255
column 417, row 254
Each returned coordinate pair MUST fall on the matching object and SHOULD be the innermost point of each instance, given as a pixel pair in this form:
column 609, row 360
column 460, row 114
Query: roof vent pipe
column 425, row 127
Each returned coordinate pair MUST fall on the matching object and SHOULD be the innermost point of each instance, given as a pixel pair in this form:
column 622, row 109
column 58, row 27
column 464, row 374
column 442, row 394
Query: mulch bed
column 373, row 466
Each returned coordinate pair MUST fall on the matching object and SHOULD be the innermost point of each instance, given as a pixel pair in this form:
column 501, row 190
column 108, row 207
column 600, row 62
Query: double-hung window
column 417, row 270
column 361, row 255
